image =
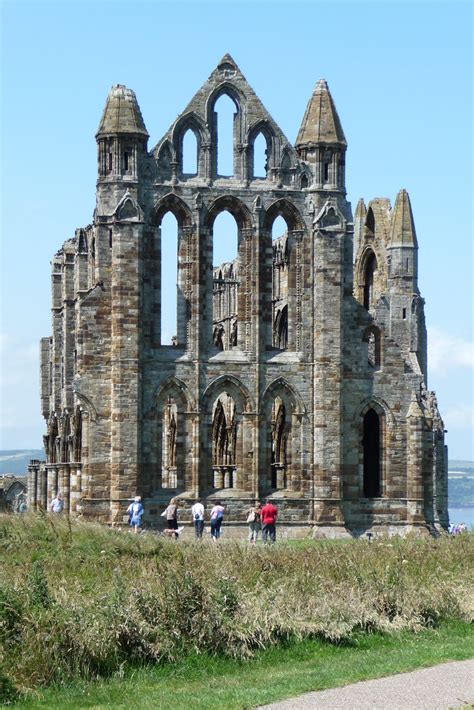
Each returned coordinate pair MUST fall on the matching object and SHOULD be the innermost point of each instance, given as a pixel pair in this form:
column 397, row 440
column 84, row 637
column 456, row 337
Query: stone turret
column 122, row 136
column 406, row 312
column 321, row 141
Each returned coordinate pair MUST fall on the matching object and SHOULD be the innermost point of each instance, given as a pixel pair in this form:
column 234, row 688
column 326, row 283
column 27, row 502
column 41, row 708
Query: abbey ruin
column 298, row 369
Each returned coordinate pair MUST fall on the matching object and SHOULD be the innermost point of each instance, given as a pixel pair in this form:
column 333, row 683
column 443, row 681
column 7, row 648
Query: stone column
column 32, row 490
column 328, row 373
column 43, row 496
column 66, row 487
column 125, row 360
column 415, row 445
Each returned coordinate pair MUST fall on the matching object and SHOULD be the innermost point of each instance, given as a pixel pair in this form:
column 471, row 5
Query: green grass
column 205, row 682
column 80, row 602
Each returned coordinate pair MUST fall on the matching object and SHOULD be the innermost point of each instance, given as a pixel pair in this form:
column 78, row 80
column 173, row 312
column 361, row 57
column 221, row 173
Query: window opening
column 370, row 269
column 169, row 444
column 372, row 450
column 110, row 161
column 225, row 282
column 279, row 441
column 190, row 153
column 304, row 182
column 169, row 277
column 125, row 161
column 326, row 172
column 370, row 220
column 224, row 440
column 260, row 156
column 110, row 238
column 280, row 271
column 404, row 313
column 225, row 112
column 374, row 348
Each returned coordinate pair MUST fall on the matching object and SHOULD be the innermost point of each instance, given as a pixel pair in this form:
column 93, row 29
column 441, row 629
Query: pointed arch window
column 279, row 445
column 372, row 454
column 169, row 468
column 280, row 284
column 190, row 153
column 225, row 112
column 224, row 440
column 369, row 278
column 370, row 222
column 373, row 339
column 225, row 281
column 169, row 277
column 260, row 156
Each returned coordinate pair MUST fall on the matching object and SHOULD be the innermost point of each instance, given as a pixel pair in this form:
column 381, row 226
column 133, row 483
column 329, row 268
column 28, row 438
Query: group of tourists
column 457, row 528
column 261, row 518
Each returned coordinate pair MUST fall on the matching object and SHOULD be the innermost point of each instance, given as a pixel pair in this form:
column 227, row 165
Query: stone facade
column 298, row 371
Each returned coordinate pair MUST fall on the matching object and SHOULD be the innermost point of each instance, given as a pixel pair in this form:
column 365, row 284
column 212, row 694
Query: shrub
column 81, row 600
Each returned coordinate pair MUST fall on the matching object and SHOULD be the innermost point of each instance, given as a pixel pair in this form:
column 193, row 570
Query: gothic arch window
column 369, row 270
column 260, row 156
column 189, row 153
column 169, row 444
column 370, row 222
column 169, row 278
column 304, row 181
column 167, row 272
column 224, row 442
column 225, row 286
column 279, row 434
column 225, row 111
column 373, row 338
column 281, row 329
column 280, row 283
column 281, row 460
column 372, row 454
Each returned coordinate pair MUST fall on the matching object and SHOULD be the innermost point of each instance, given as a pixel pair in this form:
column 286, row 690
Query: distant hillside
column 16, row 460
column 461, row 468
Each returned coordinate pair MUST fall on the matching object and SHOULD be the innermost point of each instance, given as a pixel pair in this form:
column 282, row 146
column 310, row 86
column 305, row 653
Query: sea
column 462, row 515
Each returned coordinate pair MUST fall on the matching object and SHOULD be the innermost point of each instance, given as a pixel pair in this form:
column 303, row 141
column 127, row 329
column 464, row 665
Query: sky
column 400, row 74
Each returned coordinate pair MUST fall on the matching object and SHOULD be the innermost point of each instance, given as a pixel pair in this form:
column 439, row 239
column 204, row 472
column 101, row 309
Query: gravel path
column 450, row 685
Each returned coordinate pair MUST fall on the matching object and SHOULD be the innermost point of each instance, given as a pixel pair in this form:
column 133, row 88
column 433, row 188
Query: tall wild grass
column 79, row 600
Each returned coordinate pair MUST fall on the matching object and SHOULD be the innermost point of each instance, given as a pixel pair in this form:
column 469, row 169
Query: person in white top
column 197, row 512
column 57, row 504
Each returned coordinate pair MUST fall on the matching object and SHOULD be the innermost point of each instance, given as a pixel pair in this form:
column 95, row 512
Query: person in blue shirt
column 135, row 513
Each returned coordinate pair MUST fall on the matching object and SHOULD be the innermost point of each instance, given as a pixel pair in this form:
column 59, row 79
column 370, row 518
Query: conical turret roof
column 121, row 113
column 402, row 231
column 320, row 123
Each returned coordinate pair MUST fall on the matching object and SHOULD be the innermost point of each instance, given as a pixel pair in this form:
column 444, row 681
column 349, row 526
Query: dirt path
column 450, row 685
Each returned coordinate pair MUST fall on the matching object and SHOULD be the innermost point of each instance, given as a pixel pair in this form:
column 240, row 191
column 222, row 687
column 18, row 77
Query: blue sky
column 400, row 74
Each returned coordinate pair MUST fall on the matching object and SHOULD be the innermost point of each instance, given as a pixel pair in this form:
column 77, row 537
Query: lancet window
column 224, row 440
column 169, row 468
column 279, row 445
column 372, row 451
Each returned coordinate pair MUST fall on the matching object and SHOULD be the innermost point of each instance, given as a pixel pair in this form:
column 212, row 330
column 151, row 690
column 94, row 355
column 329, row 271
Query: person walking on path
column 197, row 512
column 57, row 504
column 135, row 513
column 217, row 516
column 254, row 522
column 171, row 515
column 269, row 515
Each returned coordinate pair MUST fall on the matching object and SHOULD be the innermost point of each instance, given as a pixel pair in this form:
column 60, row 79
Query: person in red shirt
column 268, row 516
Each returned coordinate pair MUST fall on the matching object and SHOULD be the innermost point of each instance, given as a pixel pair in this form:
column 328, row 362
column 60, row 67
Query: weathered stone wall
column 144, row 416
